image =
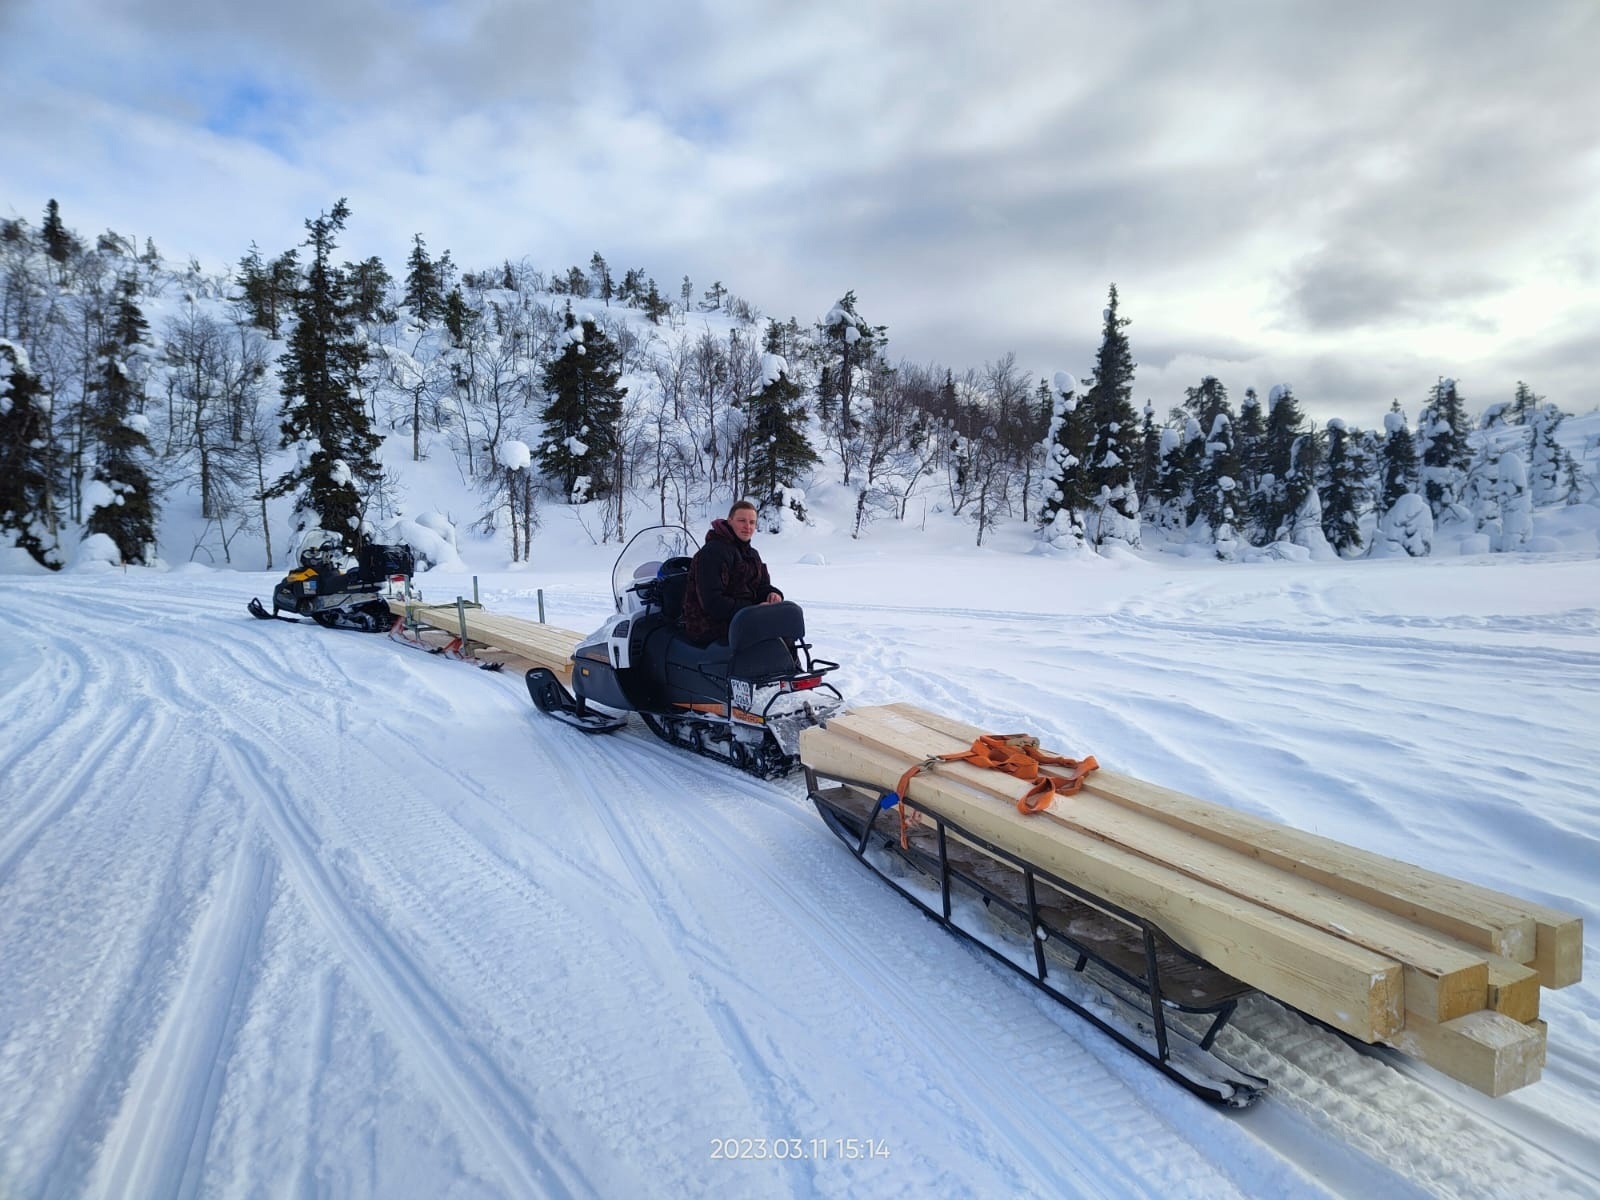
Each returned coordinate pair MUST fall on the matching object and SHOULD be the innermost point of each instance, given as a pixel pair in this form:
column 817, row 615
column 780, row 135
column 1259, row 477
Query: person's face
column 744, row 523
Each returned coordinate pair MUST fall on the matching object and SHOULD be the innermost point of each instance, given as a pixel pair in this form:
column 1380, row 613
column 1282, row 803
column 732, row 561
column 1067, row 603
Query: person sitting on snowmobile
column 726, row 575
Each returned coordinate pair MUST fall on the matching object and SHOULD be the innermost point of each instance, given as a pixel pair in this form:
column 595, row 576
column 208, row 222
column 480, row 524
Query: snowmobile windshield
column 642, row 557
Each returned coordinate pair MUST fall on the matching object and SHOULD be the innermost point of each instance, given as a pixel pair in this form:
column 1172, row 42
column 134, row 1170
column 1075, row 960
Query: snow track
column 286, row 910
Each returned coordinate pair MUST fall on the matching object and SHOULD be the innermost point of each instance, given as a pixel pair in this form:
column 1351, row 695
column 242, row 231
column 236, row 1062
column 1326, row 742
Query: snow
column 97, row 494
column 292, row 911
column 514, row 455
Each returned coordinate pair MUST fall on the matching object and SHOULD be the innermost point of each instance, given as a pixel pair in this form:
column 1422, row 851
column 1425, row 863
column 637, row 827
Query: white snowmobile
column 336, row 591
column 744, row 701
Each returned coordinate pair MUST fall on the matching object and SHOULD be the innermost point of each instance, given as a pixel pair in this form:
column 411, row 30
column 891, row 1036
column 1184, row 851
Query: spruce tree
column 1397, row 459
column 1288, row 463
column 1549, row 476
column 117, row 425
column 583, row 412
column 603, row 286
column 255, row 288
column 1250, row 435
column 1443, row 449
column 1217, row 474
column 323, row 416
column 27, row 485
column 1114, row 449
column 58, row 242
column 424, row 286
column 849, row 346
column 368, row 287
column 1522, row 403
column 1066, row 471
column 780, row 452
column 1344, row 490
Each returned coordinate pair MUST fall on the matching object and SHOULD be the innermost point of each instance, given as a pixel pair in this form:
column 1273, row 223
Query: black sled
column 743, row 701
column 337, row 592
column 1114, row 969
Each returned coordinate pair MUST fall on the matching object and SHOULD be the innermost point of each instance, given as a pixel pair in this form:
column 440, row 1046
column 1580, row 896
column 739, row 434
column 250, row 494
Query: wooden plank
column 1442, row 981
column 1488, row 1051
column 529, row 642
column 1502, row 924
column 1347, row 986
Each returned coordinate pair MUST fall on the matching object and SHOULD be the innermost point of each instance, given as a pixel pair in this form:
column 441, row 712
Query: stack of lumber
column 1435, row 967
column 491, row 637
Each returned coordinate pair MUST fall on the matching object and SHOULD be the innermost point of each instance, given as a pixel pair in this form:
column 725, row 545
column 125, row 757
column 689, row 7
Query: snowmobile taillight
column 801, row 685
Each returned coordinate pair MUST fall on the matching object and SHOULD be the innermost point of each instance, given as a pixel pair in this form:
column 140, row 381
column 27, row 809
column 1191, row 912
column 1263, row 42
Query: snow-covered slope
column 292, row 912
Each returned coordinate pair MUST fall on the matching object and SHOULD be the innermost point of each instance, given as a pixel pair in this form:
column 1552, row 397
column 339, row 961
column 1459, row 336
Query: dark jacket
column 726, row 575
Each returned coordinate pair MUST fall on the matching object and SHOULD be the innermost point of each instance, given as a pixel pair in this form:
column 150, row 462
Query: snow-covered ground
column 286, row 911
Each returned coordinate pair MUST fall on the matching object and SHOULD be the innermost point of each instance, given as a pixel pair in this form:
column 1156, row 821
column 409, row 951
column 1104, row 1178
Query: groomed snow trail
column 292, row 911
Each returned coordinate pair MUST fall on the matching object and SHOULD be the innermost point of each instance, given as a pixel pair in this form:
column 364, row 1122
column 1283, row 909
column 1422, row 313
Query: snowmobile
column 744, row 701
column 338, row 592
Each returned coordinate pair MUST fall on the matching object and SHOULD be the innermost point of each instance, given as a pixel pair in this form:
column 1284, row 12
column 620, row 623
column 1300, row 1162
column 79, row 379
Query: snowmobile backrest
column 785, row 621
column 761, row 636
column 377, row 563
column 674, row 576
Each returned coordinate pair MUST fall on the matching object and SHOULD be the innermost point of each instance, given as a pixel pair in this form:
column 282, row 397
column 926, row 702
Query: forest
column 128, row 384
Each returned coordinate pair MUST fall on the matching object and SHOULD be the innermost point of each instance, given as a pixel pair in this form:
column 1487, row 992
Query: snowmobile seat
column 758, row 647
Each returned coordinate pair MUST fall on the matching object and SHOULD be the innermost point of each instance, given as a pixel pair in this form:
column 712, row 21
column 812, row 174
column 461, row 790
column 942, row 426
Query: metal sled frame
column 1147, row 997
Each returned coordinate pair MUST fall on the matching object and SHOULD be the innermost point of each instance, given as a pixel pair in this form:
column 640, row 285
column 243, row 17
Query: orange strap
column 1014, row 754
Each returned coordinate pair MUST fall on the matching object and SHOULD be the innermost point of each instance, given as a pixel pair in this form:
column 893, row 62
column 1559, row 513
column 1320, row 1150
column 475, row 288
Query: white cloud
column 1269, row 183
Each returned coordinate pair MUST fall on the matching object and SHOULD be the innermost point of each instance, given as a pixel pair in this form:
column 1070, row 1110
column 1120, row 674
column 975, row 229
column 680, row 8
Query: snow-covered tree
column 582, row 412
column 1066, row 479
column 28, row 516
column 1516, row 502
column 1405, row 528
column 1397, row 458
column 780, row 453
column 1249, row 441
column 1442, row 448
column 1114, row 449
column 324, row 419
column 1549, row 476
column 1344, row 491
column 849, row 346
column 1289, row 460
column 425, row 286
column 120, row 495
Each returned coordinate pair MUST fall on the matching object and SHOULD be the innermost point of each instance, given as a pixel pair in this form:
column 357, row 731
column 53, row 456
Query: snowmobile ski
column 256, row 609
column 551, row 698
column 1109, row 966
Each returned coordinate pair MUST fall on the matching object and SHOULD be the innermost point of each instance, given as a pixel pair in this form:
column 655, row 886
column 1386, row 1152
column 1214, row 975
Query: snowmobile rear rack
column 1030, row 919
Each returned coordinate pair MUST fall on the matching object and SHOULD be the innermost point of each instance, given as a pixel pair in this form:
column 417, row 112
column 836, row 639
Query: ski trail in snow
column 495, row 1113
column 157, row 1145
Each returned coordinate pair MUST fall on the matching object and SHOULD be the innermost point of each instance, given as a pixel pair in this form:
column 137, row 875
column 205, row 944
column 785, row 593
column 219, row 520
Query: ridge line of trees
column 582, row 389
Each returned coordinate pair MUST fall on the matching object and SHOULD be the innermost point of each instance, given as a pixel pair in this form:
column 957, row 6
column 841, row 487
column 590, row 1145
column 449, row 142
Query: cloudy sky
column 1352, row 197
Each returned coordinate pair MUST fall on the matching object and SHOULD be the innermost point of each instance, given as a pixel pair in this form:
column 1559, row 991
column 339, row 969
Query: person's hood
column 721, row 531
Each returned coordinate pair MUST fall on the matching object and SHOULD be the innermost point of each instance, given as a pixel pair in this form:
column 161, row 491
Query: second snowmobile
column 744, row 701
column 336, row 591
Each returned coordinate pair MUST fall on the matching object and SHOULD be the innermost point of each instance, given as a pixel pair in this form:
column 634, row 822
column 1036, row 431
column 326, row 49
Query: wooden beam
column 1506, row 925
column 537, row 644
column 1347, row 986
column 1488, row 1051
column 1442, row 981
